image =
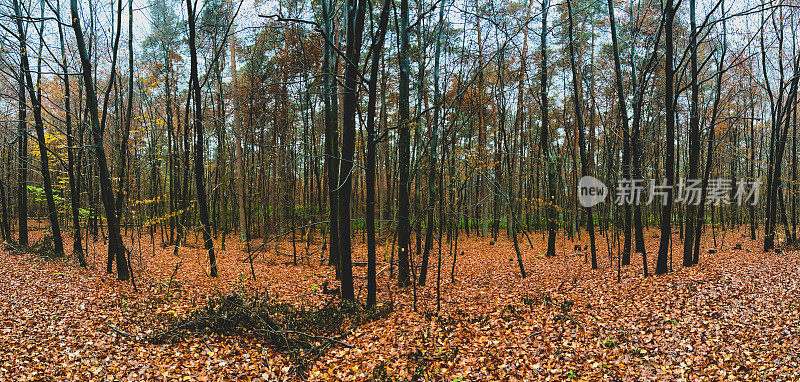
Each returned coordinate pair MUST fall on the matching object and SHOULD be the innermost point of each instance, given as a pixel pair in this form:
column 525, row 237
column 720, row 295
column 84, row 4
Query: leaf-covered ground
column 735, row 316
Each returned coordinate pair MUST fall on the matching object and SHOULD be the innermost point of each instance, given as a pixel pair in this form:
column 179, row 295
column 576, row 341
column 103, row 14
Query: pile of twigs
column 304, row 334
column 42, row 248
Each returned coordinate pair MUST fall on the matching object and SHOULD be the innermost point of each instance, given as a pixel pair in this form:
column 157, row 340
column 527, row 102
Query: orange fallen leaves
column 735, row 316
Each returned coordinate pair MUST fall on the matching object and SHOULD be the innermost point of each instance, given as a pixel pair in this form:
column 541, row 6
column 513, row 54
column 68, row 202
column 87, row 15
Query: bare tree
column 199, row 166
column 34, row 92
column 116, row 248
column 404, row 223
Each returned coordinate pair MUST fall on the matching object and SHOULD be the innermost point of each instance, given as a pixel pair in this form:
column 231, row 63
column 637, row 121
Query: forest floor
column 735, row 316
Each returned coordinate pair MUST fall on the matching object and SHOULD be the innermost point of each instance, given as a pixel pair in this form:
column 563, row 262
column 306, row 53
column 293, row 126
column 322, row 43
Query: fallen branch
column 302, row 333
column 120, row 332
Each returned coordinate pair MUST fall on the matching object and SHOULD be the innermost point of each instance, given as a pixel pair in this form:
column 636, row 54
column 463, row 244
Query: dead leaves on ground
column 733, row 317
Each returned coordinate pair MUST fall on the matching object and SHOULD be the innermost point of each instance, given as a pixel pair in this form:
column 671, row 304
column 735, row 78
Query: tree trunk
column 52, row 210
column 199, row 170
column 376, row 49
column 355, row 29
column 238, row 151
column 669, row 101
column 432, row 151
column 552, row 214
column 329, row 98
column 116, row 248
column 623, row 113
column 585, row 171
column 22, row 136
column 123, row 146
column 403, row 225
column 73, row 171
column 694, row 140
column 700, row 213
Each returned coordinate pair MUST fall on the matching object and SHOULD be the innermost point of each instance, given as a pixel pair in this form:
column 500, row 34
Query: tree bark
column 376, row 49
column 355, row 28
column 238, row 151
column 73, row 171
column 669, row 101
column 585, row 171
column 22, row 136
column 199, row 169
column 116, row 248
column 329, row 97
column 694, row 139
column 552, row 214
column 52, row 210
column 623, row 113
column 404, row 147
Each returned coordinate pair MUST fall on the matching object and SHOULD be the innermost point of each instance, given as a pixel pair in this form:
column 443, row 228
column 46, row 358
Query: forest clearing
column 734, row 317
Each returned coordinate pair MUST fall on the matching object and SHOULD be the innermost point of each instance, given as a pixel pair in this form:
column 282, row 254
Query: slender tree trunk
column 116, row 248
column 6, row 226
column 376, row 49
column 700, row 213
column 355, row 28
column 238, row 151
column 769, row 233
column 199, row 169
column 432, row 148
column 171, row 149
column 329, row 98
column 780, row 145
column 123, row 146
column 639, row 88
column 73, row 171
column 52, row 210
column 694, row 140
column 669, row 100
column 585, row 171
column 403, row 225
column 752, row 159
column 794, row 190
column 22, row 136
column 623, row 113
column 552, row 214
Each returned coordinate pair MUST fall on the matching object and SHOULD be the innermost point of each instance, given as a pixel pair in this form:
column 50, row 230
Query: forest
column 395, row 190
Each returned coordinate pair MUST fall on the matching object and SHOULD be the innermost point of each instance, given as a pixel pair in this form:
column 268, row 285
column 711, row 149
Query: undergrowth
column 302, row 333
column 42, row 248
